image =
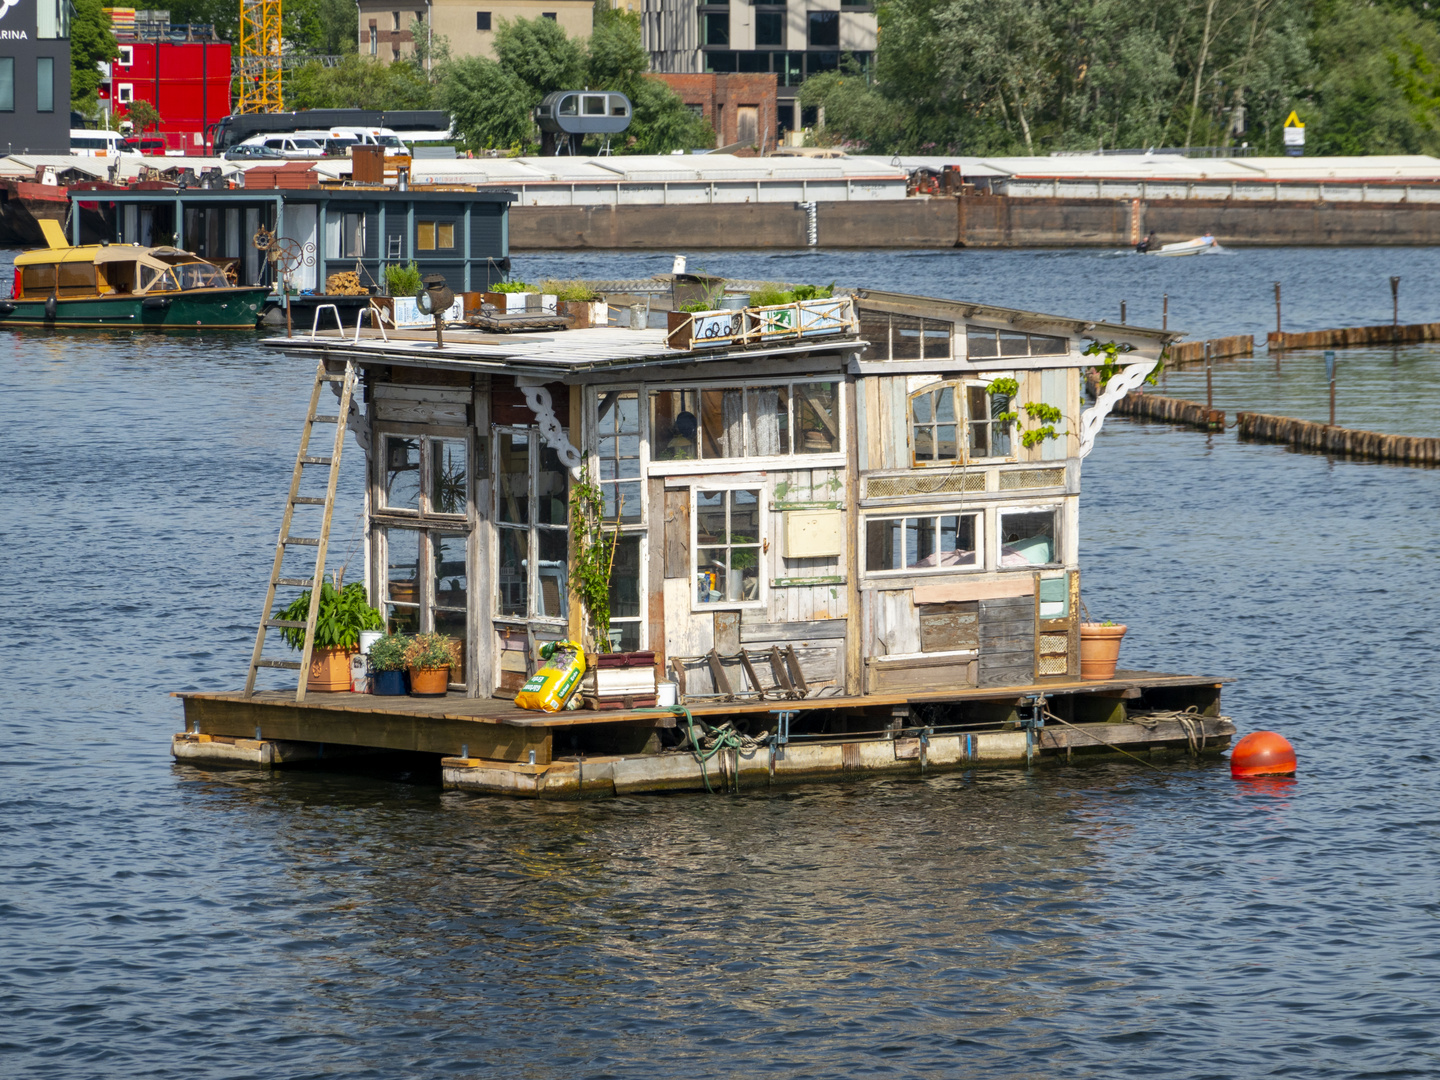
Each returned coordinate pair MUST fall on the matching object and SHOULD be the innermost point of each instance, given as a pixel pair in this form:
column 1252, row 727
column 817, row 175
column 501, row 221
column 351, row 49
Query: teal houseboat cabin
column 849, row 524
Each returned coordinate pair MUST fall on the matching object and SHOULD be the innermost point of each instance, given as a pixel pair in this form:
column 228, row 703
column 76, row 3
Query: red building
column 188, row 82
column 741, row 108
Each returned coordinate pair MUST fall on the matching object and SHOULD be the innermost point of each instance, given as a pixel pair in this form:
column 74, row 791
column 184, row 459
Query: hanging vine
column 1111, row 366
column 594, row 553
column 1046, row 415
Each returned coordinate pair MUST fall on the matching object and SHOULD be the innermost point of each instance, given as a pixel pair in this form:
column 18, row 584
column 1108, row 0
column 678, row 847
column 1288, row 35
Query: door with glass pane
column 531, row 587
column 421, row 531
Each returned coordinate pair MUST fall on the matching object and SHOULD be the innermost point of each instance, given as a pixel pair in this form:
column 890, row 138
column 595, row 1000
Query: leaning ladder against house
column 320, row 543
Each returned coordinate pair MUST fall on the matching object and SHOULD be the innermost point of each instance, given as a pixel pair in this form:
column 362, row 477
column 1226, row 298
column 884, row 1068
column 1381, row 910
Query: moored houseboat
column 124, row 285
column 847, row 533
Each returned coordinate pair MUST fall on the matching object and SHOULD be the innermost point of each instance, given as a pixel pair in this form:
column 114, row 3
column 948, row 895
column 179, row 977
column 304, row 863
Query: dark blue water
column 1098, row 921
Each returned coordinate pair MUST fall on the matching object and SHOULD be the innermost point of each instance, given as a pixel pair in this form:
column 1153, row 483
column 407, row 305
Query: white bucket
column 368, row 638
column 666, row 694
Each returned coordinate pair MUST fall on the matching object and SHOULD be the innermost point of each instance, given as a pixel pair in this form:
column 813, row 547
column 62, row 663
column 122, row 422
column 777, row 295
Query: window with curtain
column 729, row 422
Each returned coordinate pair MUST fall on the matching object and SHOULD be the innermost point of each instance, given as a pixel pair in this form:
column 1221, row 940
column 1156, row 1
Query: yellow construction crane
column 260, row 57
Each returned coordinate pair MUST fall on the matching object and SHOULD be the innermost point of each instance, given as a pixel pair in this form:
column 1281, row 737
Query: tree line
column 990, row 77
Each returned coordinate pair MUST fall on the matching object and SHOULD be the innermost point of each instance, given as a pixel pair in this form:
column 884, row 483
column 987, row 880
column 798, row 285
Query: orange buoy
column 1263, row 753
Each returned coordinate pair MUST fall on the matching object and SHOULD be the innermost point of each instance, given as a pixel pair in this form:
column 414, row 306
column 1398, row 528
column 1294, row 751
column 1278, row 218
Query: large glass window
column 985, row 341
column 715, row 28
column 626, row 596
column 7, row 84
column 942, row 541
column 618, row 447
column 770, row 28
column 45, row 82
column 824, row 29
column 426, row 584
column 1029, row 537
column 727, row 546
column 744, row 422
column 531, row 525
column 893, row 336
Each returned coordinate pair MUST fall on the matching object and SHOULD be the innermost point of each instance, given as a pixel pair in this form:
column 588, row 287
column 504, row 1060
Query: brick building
column 741, row 108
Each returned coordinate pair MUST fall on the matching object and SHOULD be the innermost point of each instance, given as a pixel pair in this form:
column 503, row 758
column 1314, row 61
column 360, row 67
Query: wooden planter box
column 686, row 330
column 584, row 314
column 521, row 303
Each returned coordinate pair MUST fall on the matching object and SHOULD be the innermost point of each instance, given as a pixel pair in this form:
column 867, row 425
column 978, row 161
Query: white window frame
column 792, row 460
column 762, row 578
column 982, row 560
column 962, row 386
column 125, row 93
column 531, row 530
column 424, row 433
column 1057, row 509
column 640, row 527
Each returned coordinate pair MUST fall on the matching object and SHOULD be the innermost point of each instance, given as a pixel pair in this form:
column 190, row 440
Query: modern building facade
column 793, row 40
column 387, row 30
column 35, row 77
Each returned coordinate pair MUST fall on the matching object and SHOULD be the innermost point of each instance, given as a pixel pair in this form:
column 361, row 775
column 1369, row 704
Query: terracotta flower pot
column 1099, row 650
column 329, row 670
column 429, row 682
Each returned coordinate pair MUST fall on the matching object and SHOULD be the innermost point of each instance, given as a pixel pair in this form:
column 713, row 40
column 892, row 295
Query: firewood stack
column 345, row 283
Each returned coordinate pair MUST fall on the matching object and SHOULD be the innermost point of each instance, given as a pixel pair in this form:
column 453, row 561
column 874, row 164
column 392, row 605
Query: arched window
column 951, row 421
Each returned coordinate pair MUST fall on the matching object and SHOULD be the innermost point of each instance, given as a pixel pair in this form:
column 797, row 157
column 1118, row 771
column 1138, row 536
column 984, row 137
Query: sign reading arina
column 11, row 35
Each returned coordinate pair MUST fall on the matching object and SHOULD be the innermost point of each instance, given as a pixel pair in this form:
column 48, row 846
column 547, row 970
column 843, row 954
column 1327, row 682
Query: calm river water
column 1109, row 920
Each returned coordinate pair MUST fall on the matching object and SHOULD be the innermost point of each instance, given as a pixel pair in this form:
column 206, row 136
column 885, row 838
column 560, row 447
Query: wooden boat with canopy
column 124, row 285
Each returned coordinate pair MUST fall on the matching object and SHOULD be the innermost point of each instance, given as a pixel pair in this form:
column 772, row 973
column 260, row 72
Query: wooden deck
column 495, row 729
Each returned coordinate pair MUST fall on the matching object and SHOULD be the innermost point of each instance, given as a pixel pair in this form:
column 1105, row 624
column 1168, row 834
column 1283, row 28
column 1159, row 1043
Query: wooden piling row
column 1189, row 352
column 1156, row 407
column 1344, row 442
column 1351, row 335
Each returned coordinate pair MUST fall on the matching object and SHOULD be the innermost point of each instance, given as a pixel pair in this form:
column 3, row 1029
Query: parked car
column 92, row 142
column 290, row 146
column 246, row 152
column 332, row 145
column 152, row 146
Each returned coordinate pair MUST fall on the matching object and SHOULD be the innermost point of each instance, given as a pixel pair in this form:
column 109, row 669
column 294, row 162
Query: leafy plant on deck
column 593, row 553
column 402, row 280
column 388, row 654
column 343, row 614
column 432, row 651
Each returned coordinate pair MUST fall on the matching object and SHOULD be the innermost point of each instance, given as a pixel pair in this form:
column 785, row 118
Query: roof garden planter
column 521, row 303
column 701, row 329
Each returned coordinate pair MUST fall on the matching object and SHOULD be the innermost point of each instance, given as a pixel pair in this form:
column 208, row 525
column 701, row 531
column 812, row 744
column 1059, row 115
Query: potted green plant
column 700, row 323
column 429, row 658
column 343, row 614
column 387, row 661
column 515, row 296
column 1100, row 649
column 576, row 301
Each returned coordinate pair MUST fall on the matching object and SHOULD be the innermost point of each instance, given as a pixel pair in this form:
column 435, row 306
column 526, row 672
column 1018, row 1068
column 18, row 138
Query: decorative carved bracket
column 1120, row 384
column 543, row 406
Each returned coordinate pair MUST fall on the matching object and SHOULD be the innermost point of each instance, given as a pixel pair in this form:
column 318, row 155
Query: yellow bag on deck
column 551, row 688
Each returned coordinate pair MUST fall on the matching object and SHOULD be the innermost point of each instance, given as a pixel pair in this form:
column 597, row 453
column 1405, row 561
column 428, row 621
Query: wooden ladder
column 320, row 543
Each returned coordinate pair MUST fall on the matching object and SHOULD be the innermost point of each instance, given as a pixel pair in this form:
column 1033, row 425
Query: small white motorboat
column 1201, row 245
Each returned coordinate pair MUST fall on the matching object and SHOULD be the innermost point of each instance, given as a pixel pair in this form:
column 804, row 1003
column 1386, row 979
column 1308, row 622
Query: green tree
column 540, row 55
column 144, row 116
column 320, row 27
column 91, row 43
column 660, row 122
column 489, row 103
column 359, row 82
column 617, row 57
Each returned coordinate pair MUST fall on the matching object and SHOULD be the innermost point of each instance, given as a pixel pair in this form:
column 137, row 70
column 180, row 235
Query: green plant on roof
column 698, row 305
column 512, row 287
column 773, row 294
column 343, row 614
column 1111, row 366
column 573, row 290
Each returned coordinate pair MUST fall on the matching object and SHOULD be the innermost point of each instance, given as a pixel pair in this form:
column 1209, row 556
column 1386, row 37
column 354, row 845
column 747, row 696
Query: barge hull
column 490, row 746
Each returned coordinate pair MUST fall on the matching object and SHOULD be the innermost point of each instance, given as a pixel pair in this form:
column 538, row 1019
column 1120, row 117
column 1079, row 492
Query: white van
column 291, row 146
column 375, row 136
column 93, row 142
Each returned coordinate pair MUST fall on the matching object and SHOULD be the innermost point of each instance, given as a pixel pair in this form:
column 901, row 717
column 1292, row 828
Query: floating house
column 848, row 534
column 460, row 233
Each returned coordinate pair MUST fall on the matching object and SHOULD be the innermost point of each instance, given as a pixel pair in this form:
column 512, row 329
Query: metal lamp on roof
column 435, row 298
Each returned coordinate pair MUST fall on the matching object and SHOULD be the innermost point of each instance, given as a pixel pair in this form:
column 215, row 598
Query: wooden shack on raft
column 848, row 529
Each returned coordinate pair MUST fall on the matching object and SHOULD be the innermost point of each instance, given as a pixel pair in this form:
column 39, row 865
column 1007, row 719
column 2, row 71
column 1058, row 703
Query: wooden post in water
column 1395, row 305
column 1165, row 312
column 1330, row 374
column 1122, row 312
column 1209, row 386
column 1277, row 327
